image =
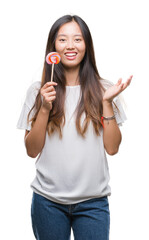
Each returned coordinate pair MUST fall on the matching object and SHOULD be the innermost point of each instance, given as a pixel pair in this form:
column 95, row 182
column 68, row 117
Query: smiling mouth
column 71, row 55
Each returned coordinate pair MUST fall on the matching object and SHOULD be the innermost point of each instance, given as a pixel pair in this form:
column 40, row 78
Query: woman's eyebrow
column 79, row 35
column 65, row 35
column 60, row 35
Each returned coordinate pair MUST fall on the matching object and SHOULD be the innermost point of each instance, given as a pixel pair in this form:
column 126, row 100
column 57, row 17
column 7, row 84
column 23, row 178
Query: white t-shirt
column 71, row 169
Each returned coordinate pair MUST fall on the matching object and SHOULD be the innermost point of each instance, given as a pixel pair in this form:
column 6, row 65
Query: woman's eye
column 62, row 40
column 77, row 39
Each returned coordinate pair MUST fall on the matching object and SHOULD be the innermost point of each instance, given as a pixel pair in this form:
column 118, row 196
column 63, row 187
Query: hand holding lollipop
column 53, row 58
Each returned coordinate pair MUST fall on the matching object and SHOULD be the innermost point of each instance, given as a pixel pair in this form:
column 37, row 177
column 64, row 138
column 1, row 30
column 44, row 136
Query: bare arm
column 111, row 133
column 35, row 139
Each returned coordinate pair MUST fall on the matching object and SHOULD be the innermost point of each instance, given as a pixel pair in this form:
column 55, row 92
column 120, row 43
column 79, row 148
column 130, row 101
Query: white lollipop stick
column 52, row 72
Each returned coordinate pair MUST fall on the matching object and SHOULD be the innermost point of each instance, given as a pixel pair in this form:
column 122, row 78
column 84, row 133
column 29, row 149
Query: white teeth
column 71, row 54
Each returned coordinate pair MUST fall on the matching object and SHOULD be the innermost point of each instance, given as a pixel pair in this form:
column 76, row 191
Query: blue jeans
column 90, row 220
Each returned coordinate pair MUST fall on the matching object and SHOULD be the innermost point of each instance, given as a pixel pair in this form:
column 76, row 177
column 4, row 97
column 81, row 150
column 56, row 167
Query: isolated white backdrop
column 120, row 32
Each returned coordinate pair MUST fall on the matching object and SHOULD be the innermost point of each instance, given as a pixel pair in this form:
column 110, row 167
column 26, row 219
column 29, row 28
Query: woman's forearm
column 35, row 139
column 111, row 132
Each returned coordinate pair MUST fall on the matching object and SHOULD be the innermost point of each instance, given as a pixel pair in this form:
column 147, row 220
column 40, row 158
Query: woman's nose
column 70, row 44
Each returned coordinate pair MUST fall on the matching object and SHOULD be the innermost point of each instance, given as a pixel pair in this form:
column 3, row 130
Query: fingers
column 48, row 87
column 48, row 84
column 49, row 96
column 48, row 92
column 119, row 82
column 49, row 99
column 127, row 83
column 129, row 79
column 121, row 85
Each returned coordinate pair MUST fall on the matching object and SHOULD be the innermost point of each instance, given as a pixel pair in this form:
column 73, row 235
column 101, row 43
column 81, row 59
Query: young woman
column 70, row 125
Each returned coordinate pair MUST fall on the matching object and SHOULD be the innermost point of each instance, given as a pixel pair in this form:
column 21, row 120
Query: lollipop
column 53, row 58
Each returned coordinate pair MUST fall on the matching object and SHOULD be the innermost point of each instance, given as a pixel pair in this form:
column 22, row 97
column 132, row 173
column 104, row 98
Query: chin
column 71, row 65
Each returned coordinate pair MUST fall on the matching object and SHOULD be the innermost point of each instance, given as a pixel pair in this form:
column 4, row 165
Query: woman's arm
column 111, row 133
column 35, row 139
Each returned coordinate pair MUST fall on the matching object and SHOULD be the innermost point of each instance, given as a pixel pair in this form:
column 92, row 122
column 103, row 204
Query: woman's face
column 70, row 44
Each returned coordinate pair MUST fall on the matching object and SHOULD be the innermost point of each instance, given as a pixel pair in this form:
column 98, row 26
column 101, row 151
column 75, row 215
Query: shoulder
column 32, row 92
column 34, row 88
column 118, row 102
column 106, row 83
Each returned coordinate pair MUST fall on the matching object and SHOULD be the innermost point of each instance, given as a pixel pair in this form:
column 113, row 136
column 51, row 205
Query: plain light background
column 120, row 35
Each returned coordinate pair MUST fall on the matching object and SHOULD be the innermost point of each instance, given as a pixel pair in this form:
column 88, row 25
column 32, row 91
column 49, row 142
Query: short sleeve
column 119, row 112
column 27, row 106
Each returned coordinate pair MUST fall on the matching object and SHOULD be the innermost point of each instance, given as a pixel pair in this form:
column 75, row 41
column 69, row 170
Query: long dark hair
column 90, row 81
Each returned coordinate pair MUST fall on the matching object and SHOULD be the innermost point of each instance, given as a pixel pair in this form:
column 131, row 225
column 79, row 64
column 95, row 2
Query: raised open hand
column 116, row 89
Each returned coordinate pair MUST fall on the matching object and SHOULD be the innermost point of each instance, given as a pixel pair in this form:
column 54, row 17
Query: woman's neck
column 72, row 76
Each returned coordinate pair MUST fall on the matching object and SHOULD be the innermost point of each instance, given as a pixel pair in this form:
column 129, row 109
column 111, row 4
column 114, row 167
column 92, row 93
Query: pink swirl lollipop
column 53, row 58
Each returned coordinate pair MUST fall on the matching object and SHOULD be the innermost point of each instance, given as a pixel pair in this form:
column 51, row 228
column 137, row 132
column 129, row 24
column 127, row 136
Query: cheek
column 83, row 48
column 58, row 46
